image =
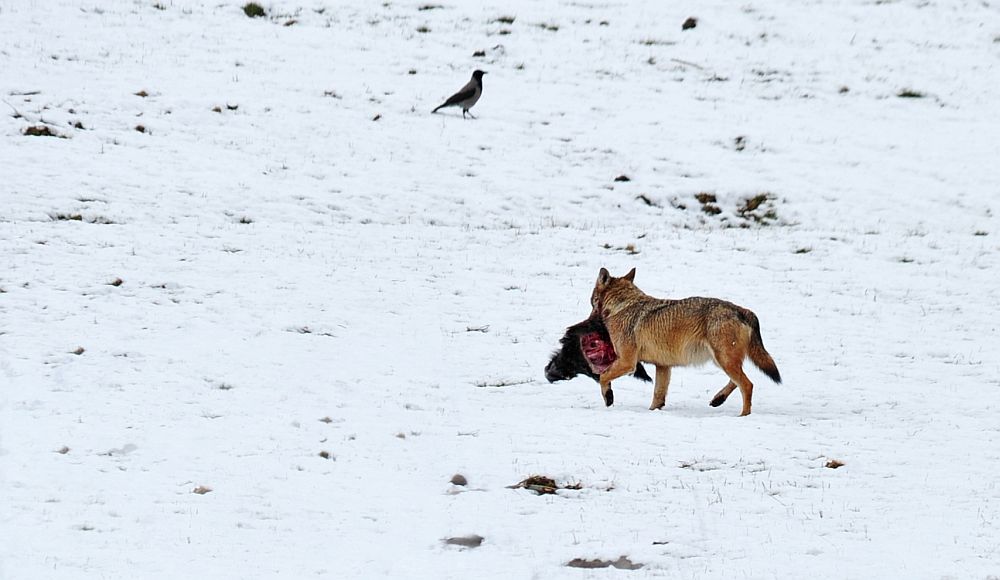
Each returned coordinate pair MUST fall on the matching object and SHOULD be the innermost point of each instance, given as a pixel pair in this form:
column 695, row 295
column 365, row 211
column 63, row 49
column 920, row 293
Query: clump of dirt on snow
column 41, row 131
column 542, row 485
column 254, row 10
column 470, row 541
column 622, row 563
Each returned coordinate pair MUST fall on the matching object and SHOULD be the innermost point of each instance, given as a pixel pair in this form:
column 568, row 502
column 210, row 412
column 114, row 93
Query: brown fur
column 672, row 333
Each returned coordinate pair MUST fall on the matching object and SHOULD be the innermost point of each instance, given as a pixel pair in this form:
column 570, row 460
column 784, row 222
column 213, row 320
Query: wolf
column 584, row 344
column 671, row 333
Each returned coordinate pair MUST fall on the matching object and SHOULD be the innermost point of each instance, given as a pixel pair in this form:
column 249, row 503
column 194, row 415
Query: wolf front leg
column 623, row 365
column 607, row 393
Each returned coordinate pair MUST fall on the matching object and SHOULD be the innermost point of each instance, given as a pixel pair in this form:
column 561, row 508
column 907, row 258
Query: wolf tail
column 758, row 354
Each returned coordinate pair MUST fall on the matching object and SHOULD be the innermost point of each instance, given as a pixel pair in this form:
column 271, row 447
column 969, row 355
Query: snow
column 299, row 278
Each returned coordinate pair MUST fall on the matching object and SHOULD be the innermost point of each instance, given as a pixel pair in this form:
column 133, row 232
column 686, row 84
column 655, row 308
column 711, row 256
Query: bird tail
column 436, row 109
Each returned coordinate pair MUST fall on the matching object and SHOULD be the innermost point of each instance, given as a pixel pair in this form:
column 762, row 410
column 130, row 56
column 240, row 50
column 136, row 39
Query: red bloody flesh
column 599, row 353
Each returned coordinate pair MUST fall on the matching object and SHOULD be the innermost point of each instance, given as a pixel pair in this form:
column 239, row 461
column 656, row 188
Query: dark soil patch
column 502, row 383
column 75, row 217
column 629, row 249
column 689, row 23
column 708, row 201
column 752, row 203
column 754, row 209
column 646, row 200
column 41, row 131
column 542, row 485
column 471, row 541
column 622, row 563
column 254, row 10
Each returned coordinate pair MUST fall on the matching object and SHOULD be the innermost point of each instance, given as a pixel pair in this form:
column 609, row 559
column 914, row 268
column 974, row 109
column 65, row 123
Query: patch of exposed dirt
column 470, row 541
column 622, row 563
column 542, row 485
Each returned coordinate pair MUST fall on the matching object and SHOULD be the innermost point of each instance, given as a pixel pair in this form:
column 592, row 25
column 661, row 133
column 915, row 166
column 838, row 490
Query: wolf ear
column 630, row 276
column 603, row 276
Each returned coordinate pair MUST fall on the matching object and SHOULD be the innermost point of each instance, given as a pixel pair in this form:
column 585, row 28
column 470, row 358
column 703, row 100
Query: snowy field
column 258, row 306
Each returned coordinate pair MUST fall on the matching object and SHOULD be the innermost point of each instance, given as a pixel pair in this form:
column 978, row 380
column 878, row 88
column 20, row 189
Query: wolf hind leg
column 734, row 368
column 729, row 349
column 660, row 389
column 723, row 394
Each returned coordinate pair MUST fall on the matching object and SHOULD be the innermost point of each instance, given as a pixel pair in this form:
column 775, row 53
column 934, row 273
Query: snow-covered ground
column 299, row 279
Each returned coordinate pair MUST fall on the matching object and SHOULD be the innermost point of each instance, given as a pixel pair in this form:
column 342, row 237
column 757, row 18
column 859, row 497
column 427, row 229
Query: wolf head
column 606, row 283
column 584, row 345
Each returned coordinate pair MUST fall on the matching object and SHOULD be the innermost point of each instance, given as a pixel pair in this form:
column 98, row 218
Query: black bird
column 466, row 97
